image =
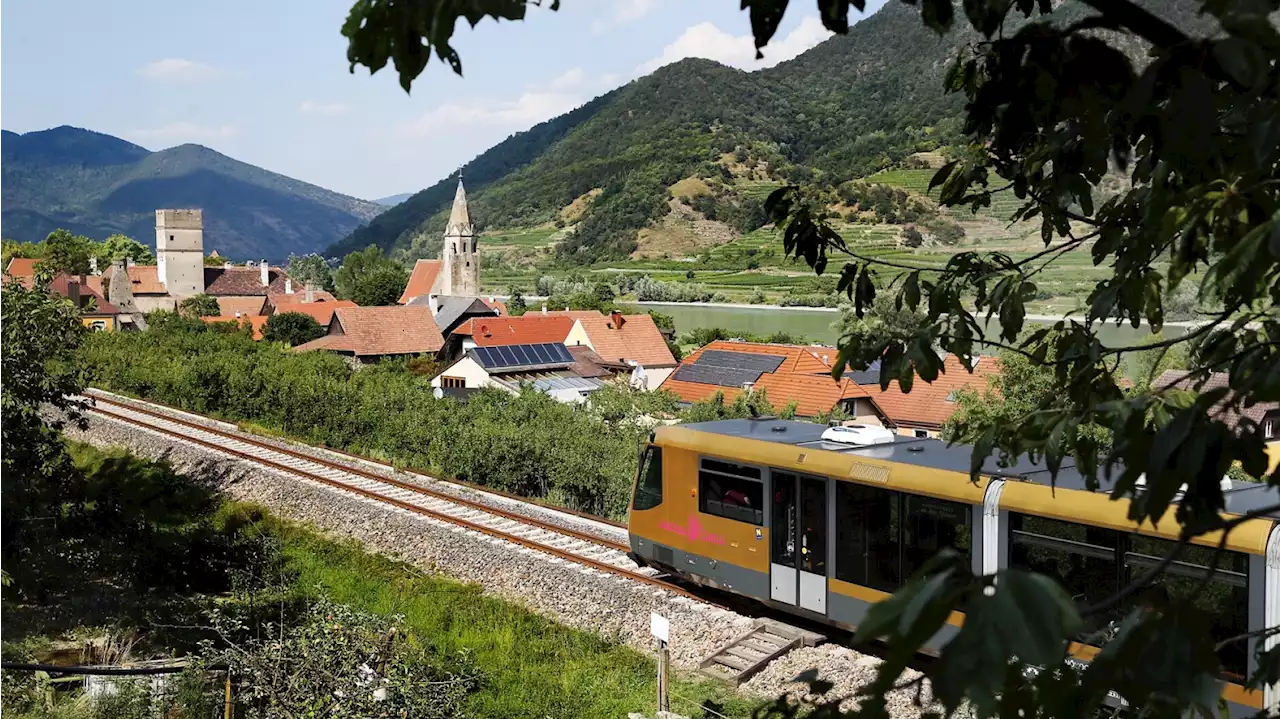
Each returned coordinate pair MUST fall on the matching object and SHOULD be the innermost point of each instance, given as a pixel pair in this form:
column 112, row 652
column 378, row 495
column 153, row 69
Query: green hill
column 848, row 108
column 96, row 184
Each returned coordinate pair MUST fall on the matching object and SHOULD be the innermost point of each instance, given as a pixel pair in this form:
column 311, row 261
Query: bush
column 911, row 237
column 946, row 232
column 199, row 306
column 528, row 443
column 292, row 328
column 648, row 289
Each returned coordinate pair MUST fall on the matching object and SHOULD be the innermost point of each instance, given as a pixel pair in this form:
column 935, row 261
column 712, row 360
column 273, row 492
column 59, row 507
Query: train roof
column 937, row 454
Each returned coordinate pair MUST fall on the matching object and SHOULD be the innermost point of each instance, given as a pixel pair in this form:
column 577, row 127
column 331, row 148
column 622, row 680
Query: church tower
column 461, row 261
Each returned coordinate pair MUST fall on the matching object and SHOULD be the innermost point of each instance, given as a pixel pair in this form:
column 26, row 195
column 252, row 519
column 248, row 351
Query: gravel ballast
column 573, row 595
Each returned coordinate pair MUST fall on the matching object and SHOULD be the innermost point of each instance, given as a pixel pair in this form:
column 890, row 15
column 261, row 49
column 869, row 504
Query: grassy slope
column 533, row 667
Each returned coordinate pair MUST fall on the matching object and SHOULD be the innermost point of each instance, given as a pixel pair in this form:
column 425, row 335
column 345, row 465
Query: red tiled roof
column 422, row 279
column 587, row 363
column 618, row 338
column 246, row 306
column 927, row 405
column 243, row 281
column 255, row 322
column 301, row 296
column 22, row 267
column 498, row 305
column 1217, row 380
column 91, row 287
column 524, row 330
column 321, row 312
column 144, row 279
column 802, row 378
column 376, row 331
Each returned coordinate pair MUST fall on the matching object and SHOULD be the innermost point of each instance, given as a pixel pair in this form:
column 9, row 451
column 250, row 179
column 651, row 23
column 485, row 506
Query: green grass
column 533, row 667
column 525, row 237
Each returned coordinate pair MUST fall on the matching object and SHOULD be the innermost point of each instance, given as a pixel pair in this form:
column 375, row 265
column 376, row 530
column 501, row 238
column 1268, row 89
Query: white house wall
column 468, row 370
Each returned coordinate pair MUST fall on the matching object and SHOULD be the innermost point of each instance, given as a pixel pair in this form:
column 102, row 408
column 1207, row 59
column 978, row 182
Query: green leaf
column 1021, row 617
column 937, row 14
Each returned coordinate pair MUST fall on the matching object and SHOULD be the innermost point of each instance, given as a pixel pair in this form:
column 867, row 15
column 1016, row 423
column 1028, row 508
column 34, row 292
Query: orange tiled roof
column 255, row 322
column 422, row 279
column 145, row 279
column 300, row 296
column 802, row 378
column 927, row 405
column 22, row 267
column 524, row 330
column 375, row 331
column 498, row 305
column 321, row 312
column 634, row 337
column 246, row 306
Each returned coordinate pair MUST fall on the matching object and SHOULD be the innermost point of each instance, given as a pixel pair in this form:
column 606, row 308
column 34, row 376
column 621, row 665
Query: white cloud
column 176, row 69
column 623, row 12
column 537, row 103
column 179, row 132
column 705, row 40
column 531, row 108
column 324, row 109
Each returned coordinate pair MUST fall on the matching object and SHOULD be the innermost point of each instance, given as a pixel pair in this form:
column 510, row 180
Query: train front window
column 732, row 491
column 1224, row 599
column 649, row 482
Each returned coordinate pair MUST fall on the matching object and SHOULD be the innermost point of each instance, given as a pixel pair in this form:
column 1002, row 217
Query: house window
column 1269, row 429
column 171, row 238
column 452, row 382
column 921, row 434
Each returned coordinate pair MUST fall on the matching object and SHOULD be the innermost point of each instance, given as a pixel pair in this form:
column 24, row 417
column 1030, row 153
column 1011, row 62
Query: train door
column 798, row 540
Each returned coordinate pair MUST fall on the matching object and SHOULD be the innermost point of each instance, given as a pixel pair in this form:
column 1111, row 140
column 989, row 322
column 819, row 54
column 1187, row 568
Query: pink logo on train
column 694, row 532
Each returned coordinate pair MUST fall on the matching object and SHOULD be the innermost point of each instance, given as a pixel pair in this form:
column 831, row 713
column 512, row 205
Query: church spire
column 460, row 215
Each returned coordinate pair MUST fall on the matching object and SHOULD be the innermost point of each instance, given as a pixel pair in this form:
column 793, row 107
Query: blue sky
column 266, row 81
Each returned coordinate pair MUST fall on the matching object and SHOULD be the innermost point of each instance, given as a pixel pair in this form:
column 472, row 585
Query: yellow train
column 824, row 522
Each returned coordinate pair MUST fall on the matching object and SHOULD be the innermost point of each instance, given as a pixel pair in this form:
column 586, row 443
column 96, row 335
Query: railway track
column 588, row 550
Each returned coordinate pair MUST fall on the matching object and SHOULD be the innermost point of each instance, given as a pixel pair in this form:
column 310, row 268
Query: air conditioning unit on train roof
column 858, row 434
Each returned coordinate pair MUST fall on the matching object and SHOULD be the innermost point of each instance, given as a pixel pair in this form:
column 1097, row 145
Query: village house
column 629, row 340
column 85, row 291
column 369, row 334
column 787, row 374
column 802, row 375
column 548, row 367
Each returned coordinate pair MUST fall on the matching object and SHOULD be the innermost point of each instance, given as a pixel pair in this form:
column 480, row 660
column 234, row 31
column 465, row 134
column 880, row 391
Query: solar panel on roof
column 711, row 374
column 741, row 360
column 539, row 354
column 523, row 355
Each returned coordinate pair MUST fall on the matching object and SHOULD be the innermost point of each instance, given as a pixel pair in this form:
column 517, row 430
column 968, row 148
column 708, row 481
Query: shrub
column 292, row 328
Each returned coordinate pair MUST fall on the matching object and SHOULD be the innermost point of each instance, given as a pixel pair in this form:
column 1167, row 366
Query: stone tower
column 461, row 262
column 180, row 251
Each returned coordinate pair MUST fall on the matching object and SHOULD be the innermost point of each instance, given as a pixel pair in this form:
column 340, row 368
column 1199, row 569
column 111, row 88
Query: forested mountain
column 850, row 106
column 96, row 184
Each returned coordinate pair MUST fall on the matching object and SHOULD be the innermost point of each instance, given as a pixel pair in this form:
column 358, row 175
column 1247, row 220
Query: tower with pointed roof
column 461, row 261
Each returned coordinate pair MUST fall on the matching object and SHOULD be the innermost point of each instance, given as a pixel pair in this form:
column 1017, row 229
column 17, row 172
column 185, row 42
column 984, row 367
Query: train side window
column 649, row 483
column 732, row 491
column 1224, row 598
column 867, row 546
column 932, row 524
column 1081, row 558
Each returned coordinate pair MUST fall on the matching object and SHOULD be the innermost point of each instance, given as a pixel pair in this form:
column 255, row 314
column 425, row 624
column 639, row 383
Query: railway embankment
column 610, row 606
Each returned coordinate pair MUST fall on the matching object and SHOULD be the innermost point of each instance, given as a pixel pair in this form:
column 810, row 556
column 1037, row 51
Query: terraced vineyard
column 522, row 237
column 1003, row 204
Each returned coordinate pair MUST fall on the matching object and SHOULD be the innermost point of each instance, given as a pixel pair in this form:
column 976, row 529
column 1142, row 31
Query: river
column 816, row 324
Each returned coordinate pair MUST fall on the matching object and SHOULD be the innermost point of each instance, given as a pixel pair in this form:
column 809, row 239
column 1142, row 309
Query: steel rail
column 401, row 504
column 363, row 458
column 419, row 489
